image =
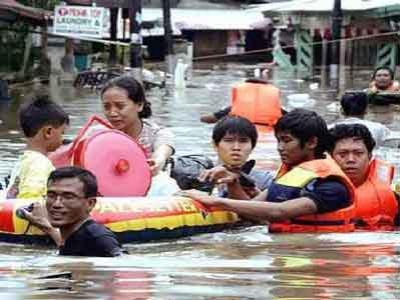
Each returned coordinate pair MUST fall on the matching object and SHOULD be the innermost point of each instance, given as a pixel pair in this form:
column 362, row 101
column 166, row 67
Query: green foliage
column 12, row 47
column 12, row 40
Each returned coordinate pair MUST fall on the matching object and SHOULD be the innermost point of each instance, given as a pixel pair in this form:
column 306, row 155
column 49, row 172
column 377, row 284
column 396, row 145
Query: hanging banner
column 79, row 21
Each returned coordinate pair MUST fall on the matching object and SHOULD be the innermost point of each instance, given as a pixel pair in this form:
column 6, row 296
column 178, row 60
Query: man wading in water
column 71, row 196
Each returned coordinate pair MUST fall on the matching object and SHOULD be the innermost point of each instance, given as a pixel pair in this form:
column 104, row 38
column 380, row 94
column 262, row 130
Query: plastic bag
column 162, row 185
column 187, row 168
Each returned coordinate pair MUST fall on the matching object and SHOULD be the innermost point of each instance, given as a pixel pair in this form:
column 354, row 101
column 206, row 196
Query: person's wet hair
column 354, row 103
column 354, row 131
column 40, row 111
column 304, row 124
column 235, row 125
column 383, row 68
column 135, row 92
column 86, row 177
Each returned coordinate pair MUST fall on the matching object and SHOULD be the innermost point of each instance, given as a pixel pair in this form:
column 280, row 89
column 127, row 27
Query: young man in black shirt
column 71, row 195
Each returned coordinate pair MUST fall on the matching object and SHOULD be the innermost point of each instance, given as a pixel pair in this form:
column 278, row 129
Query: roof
column 31, row 13
column 207, row 19
column 311, row 6
column 102, row 3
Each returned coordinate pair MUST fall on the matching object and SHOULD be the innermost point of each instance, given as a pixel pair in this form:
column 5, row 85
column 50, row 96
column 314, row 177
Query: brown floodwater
column 244, row 263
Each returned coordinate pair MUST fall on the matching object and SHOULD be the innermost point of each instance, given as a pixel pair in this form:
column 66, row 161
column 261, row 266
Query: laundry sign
column 79, row 20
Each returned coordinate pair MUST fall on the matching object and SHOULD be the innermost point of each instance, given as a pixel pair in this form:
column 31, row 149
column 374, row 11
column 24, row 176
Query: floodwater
column 245, row 263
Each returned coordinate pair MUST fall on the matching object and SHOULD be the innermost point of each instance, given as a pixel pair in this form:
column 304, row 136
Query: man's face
column 383, row 79
column 234, row 150
column 352, row 156
column 290, row 149
column 66, row 203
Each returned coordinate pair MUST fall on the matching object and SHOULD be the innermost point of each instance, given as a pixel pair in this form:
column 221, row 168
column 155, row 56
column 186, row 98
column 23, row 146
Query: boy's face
column 54, row 136
column 233, row 150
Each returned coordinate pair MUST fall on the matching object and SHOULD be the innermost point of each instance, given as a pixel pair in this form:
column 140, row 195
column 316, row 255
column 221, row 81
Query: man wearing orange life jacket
column 376, row 204
column 256, row 100
column 383, row 81
column 310, row 192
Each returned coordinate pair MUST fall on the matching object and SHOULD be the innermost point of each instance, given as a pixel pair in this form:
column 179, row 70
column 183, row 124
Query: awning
column 326, row 6
column 103, row 3
column 210, row 19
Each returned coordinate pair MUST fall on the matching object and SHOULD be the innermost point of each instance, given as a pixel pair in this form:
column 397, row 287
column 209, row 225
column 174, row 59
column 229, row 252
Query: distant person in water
column 354, row 108
column 43, row 123
column 249, row 100
column 71, row 196
column 383, row 81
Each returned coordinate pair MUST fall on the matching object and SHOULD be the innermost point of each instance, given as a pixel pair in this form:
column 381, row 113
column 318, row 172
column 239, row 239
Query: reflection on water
column 245, row 263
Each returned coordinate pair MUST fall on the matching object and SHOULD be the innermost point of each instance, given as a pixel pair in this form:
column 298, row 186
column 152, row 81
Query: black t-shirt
column 328, row 194
column 92, row 239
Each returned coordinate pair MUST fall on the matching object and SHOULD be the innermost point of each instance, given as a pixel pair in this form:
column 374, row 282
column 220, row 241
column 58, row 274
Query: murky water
column 245, row 263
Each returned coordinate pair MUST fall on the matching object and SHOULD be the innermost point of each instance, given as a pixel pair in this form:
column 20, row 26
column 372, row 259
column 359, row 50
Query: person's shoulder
column 333, row 185
column 36, row 160
column 149, row 123
column 34, row 155
column 373, row 125
column 96, row 229
column 150, row 126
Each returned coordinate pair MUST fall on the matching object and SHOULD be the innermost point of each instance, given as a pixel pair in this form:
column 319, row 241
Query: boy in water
column 234, row 138
column 43, row 123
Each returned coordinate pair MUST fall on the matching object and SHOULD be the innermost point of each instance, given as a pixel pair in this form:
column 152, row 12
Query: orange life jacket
column 376, row 205
column 257, row 102
column 338, row 221
column 394, row 87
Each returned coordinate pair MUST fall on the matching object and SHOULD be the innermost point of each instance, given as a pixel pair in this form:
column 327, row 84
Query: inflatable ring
column 131, row 219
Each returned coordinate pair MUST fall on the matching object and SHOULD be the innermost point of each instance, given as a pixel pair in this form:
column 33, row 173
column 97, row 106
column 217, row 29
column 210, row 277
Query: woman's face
column 120, row 111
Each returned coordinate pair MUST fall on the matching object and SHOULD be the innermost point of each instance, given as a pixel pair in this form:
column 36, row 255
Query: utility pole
column 113, row 34
column 337, row 17
column 169, row 50
column 135, row 16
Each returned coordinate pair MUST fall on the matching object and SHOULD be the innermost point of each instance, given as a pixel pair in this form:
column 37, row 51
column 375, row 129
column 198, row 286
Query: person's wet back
column 71, row 196
column 354, row 108
column 255, row 99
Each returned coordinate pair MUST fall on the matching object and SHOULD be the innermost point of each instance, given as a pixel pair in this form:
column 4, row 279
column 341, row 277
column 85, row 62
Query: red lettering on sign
column 63, row 11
